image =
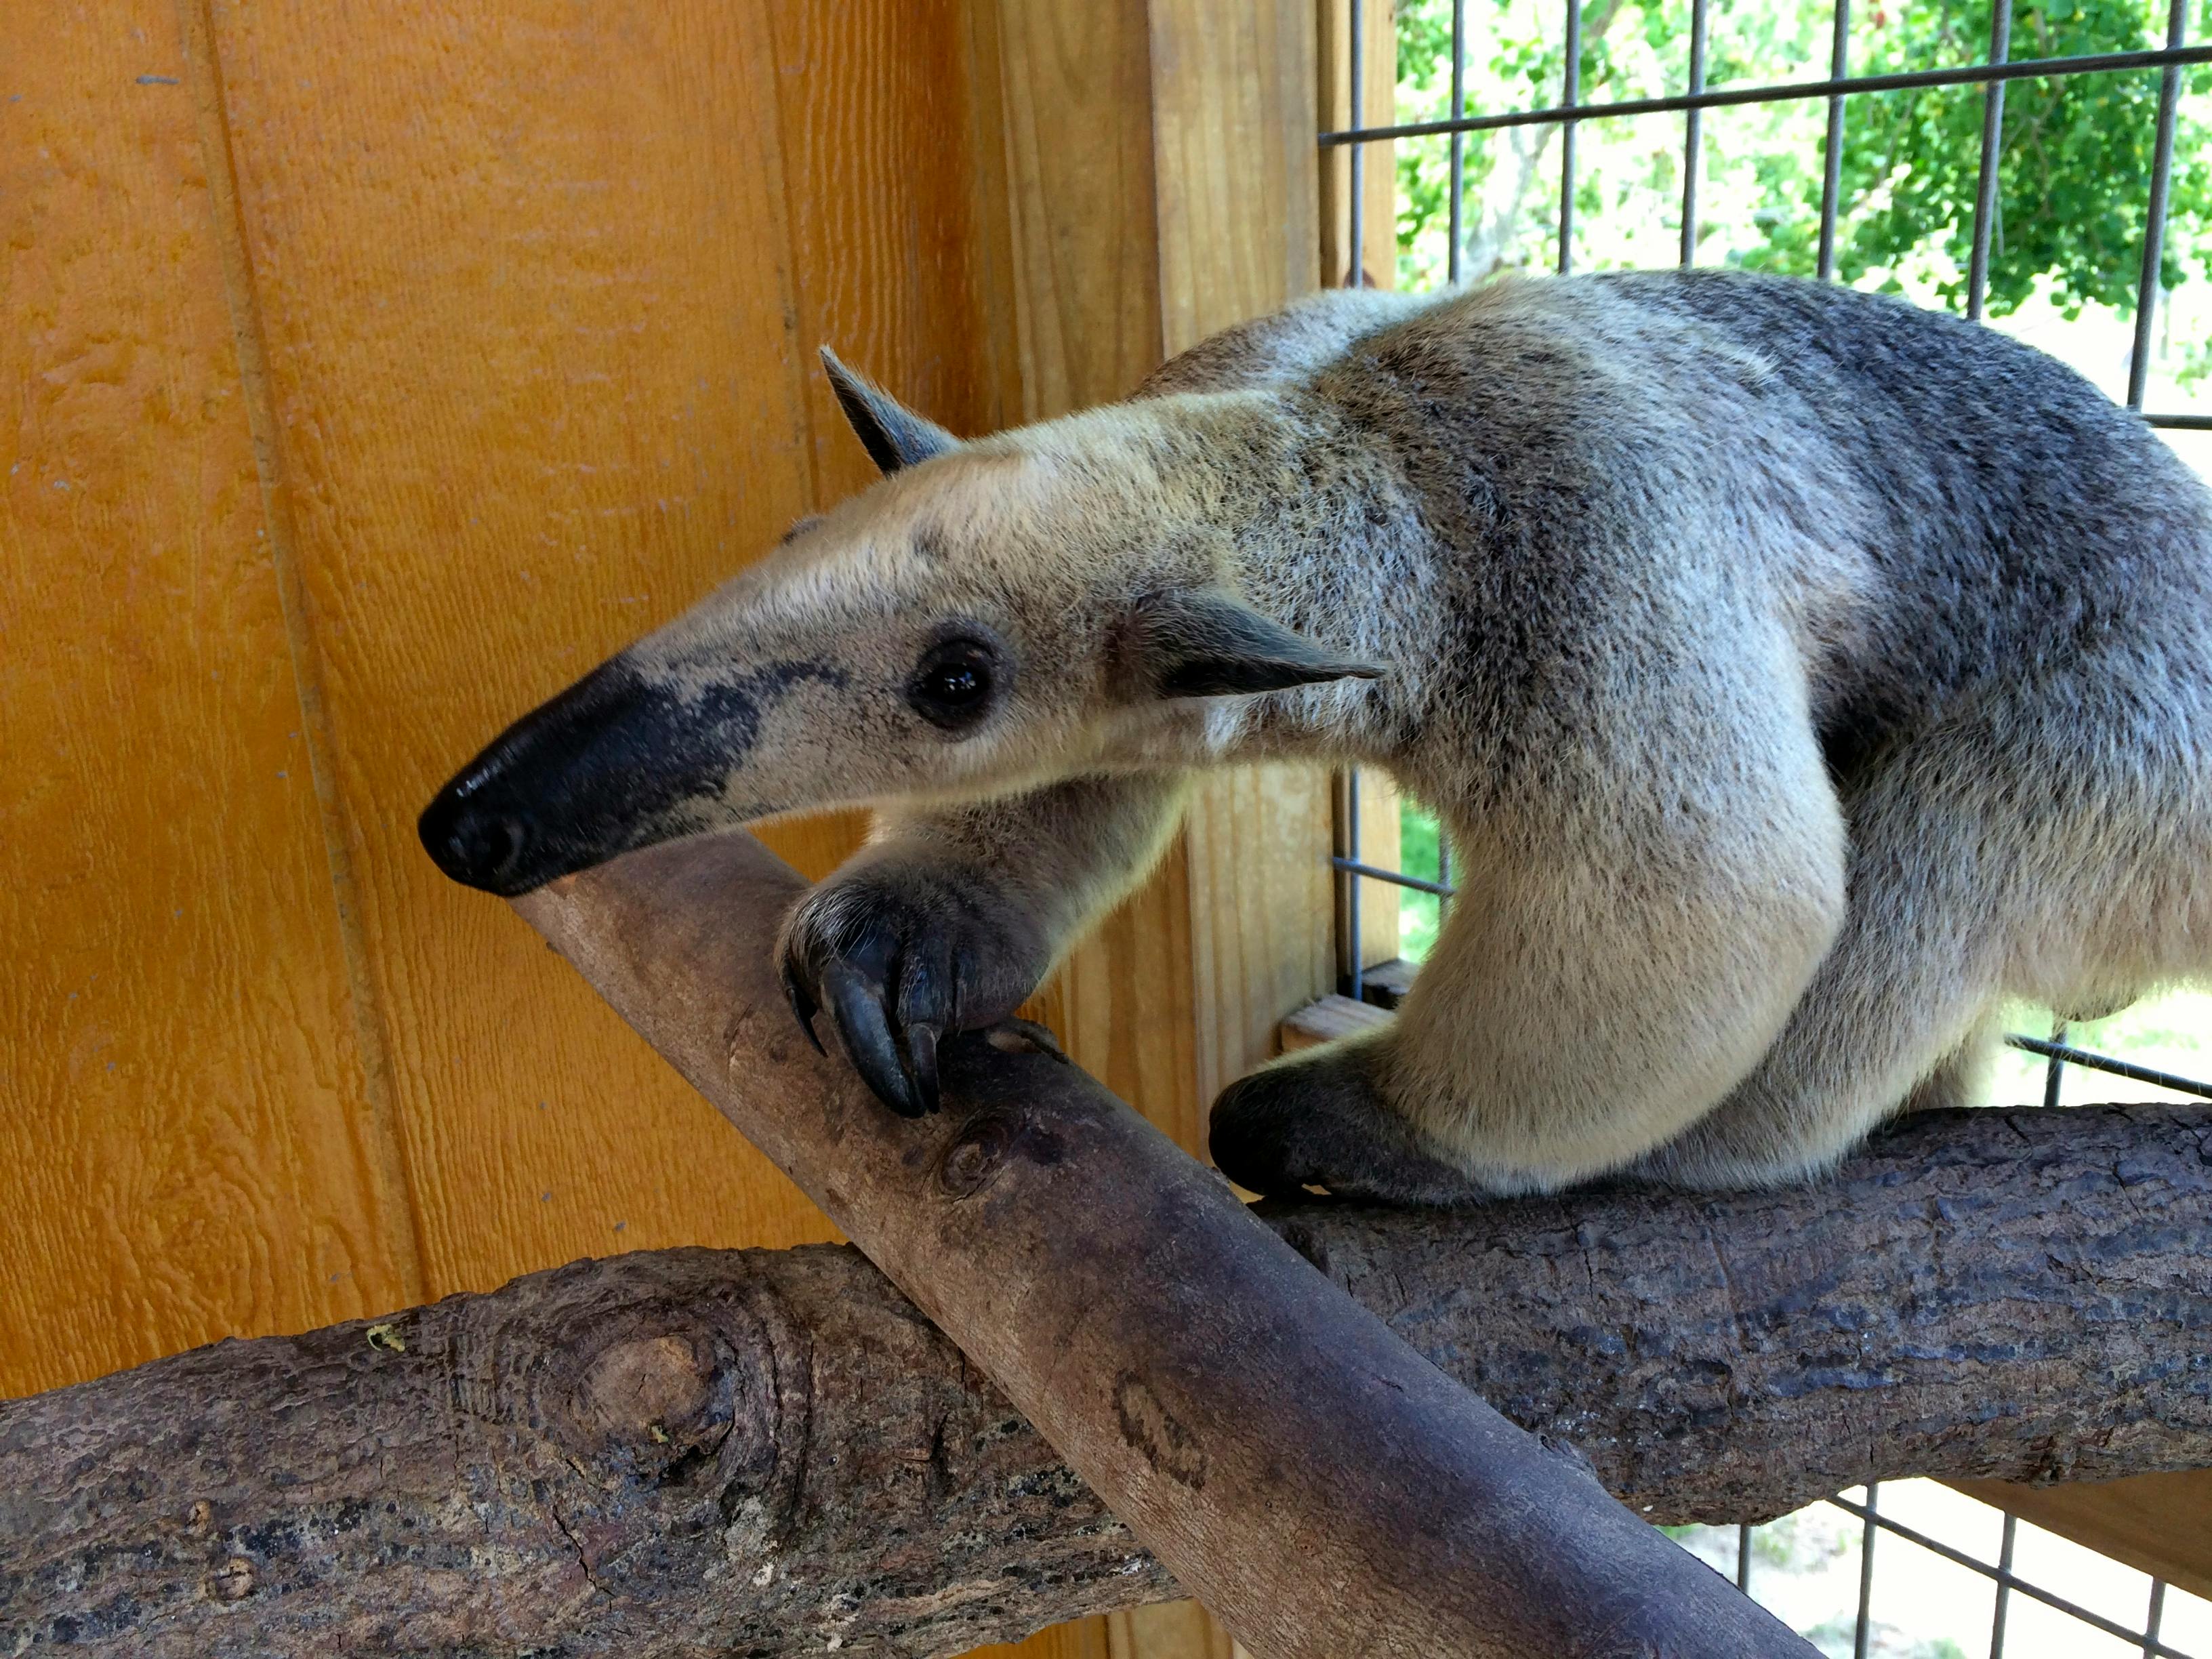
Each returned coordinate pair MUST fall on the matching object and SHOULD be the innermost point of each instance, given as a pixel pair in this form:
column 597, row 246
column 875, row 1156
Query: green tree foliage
column 2074, row 173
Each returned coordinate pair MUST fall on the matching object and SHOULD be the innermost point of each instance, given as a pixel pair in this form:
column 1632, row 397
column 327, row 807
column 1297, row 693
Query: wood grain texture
column 531, row 354
column 1382, row 845
column 1066, row 175
column 187, row 1142
column 1326, row 1019
column 1065, row 149
column 2162, row 1524
column 1378, row 162
column 1234, row 113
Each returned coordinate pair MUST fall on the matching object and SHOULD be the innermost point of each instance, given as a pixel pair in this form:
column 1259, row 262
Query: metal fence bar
column 2054, row 1070
column 1458, row 141
column 1864, row 1629
column 1570, row 94
column 1966, row 75
column 2004, row 1587
column 2153, row 1645
column 1355, row 277
column 1353, row 870
column 2106, row 1063
column 1994, row 75
column 1356, row 259
column 2161, row 181
column 1986, row 204
column 1693, row 134
column 1352, row 865
column 1831, row 172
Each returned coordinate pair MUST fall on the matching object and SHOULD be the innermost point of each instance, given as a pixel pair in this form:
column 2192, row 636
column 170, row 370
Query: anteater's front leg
column 1610, row 971
column 950, row 916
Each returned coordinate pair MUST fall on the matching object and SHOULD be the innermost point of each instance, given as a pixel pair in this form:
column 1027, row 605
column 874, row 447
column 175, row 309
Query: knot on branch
column 667, row 1421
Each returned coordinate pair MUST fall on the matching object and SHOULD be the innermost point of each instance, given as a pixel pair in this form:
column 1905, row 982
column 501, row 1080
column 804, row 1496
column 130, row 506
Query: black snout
column 612, row 764
column 588, row 775
column 478, row 848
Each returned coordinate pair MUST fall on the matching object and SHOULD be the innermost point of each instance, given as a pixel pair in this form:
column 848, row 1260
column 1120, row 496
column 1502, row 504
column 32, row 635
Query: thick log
column 751, row 1452
column 1305, row 1473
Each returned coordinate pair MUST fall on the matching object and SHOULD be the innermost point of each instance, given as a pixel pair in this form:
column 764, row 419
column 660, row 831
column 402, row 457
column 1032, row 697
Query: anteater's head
column 991, row 615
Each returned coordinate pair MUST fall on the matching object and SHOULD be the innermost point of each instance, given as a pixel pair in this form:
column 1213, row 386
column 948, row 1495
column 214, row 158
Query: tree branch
column 709, row 1452
column 768, row 1454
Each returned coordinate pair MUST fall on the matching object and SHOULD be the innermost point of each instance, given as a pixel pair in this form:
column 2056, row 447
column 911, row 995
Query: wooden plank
column 1379, row 162
column 1234, row 115
column 1327, row 1019
column 1379, row 840
column 1232, row 97
column 540, row 287
column 2160, row 1523
column 1263, row 924
column 1171, row 1630
column 1064, row 140
column 188, row 1146
column 1381, row 844
column 1065, row 181
column 1233, row 120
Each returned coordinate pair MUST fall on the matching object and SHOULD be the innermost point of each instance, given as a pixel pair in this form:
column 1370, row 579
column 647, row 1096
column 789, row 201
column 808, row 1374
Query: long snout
column 605, row 766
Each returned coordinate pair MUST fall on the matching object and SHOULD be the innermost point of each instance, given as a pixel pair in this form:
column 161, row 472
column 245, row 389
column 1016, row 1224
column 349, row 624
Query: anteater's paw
column 1318, row 1121
column 900, row 956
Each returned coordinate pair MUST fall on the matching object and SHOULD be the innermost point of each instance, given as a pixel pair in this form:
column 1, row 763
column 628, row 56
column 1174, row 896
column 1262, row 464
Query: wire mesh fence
column 1837, row 96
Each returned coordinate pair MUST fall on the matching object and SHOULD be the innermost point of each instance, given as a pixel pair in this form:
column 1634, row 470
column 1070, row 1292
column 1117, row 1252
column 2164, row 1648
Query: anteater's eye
column 951, row 684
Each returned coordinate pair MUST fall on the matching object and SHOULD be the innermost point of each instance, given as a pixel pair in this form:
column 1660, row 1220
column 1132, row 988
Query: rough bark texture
column 1303, row 1471
column 753, row 1453
column 750, row 1452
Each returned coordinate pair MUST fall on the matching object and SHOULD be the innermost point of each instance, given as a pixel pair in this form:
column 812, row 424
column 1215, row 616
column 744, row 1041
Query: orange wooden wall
column 370, row 373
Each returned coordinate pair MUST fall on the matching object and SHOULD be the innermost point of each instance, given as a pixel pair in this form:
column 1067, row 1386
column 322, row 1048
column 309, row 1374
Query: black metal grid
column 1836, row 89
column 2008, row 1582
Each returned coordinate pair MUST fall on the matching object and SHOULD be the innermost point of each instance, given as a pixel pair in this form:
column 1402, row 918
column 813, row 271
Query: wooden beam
column 2160, row 1523
column 1234, row 116
column 1377, row 163
column 1327, row 1019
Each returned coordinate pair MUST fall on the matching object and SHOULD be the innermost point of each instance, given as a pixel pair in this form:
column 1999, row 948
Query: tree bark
column 695, row 1453
column 1298, row 1468
column 698, row 1452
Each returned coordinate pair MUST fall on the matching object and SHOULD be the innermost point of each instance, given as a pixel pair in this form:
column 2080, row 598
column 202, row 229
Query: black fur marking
column 598, row 771
column 1207, row 645
column 1320, row 1121
column 894, row 435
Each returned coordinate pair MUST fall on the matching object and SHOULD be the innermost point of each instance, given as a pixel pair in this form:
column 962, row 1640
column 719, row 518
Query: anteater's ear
column 1209, row 645
column 893, row 434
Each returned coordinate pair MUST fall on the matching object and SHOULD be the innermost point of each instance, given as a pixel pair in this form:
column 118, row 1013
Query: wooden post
column 1318, row 1484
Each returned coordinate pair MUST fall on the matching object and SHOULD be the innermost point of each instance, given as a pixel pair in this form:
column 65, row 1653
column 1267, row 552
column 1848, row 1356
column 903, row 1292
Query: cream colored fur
column 1787, row 708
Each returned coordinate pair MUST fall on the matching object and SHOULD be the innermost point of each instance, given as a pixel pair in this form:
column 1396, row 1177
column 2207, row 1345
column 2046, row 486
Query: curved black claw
column 802, row 1006
column 922, row 1063
column 902, row 956
column 857, row 1006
